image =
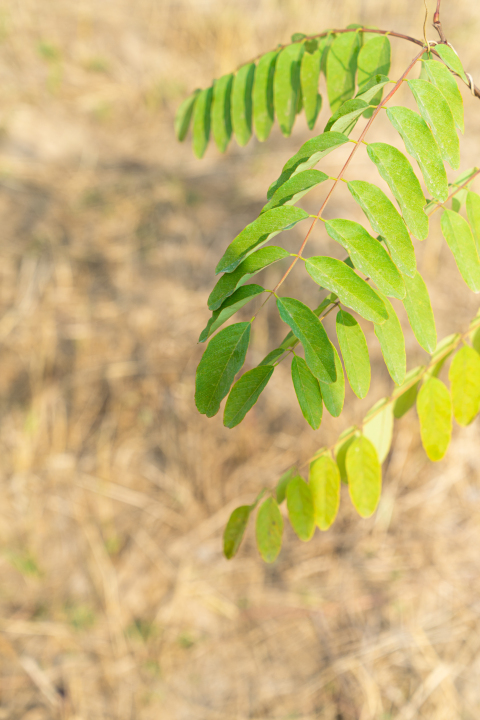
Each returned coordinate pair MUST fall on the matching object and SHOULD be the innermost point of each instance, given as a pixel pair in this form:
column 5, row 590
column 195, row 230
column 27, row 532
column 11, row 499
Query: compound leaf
column 473, row 214
column 201, row 121
column 245, row 393
column 397, row 172
column 220, row 362
column 386, row 221
column 269, row 530
column 257, row 233
column 221, row 111
column 295, row 188
column 444, row 81
column 422, row 146
column 342, row 68
column 378, row 427
column 451, row 59
column 364, row 474
column 242, row 103
column 235, row 530
column 231, row 305
column 464, row 376
column 368, row 255
column 392, row 343
column 308, row 392
column 308, row 156
column 458, row 235
column 434, row 407
column 420, row 314
column 263, row 108
column 353, row 292
column 334, row 394
column 286, row 85
column 354, row 352
column 435, row 111
column 229, row 282
column 184, row 115
column 324, row 481
column 300, row 508
column 305, row 325
column 309, row 76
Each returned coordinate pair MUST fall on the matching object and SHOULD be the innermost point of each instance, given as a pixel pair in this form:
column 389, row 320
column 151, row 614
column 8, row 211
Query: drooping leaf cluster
column 380, row 264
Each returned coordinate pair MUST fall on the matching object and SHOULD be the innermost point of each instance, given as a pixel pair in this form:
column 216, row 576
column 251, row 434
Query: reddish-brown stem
column 437, row 24
column 342, row 171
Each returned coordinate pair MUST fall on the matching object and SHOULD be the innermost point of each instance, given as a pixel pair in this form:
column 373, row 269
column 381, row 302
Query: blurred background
column 115, row 600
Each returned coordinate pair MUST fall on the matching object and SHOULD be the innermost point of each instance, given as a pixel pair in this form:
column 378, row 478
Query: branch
column 437, row 24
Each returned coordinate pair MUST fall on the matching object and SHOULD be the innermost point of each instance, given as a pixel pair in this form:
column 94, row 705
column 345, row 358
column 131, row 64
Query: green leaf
column 269, row 530
column 378, row 427
column 305, row 325
column 397, row 172
column 308, row 156
column 235, row 530
column 405, row 399
column 308, row 392
column 444, row 81
column 242, row 103
column 364, row 474
column 272, row 356
column 435, row 111
column 324, row 480
column 221, row 112
column 286, row 85
column 392, row 343
column 309, row 76
column 231, row 305
column 420, row 314
column 422, row 146
column 370, row 93
column 300, row 508
column 296, row 37
column 259, row 232
column 334, row 394
column 263, row 110
column 245, row 393
column 354, row 352
column 220, row 362
column 368, row 255
column 281, row 488
column 434, row 408
column 464, row 376
column 451, row 59
column 373, row 59
column 473, row 214
column 458, row 235
column 341, row 449
column 386, row 221
column 201, row 121
column 295, row 188
column 229, row 282
column 346, row 117
column 342, row 68
column 184, row 115
column 353, row 292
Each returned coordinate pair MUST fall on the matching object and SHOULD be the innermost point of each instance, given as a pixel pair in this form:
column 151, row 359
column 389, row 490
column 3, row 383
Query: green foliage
column 276, row 87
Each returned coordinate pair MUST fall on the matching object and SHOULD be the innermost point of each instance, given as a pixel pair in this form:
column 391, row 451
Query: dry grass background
column 115, row 601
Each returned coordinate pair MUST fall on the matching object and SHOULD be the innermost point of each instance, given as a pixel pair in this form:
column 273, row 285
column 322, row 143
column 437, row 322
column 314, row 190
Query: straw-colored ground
column 115, row 600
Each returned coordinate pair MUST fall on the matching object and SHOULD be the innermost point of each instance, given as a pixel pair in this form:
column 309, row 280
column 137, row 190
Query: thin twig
column 437, row 24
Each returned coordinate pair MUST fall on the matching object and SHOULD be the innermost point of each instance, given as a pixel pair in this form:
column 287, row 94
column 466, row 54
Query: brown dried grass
column 115, row 600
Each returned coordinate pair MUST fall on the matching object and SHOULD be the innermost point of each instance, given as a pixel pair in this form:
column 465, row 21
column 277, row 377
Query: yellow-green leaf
column 373, row 59
column 451, row 59
column 300, row 508
column 405, row 399
column 344, row 441
column 269, row 530
column 392, row 343
column 378, row 427
column 354, row 352
column 235, row 530
column 281, row 488
column 420, row 314
column 473, row 214
column 342, row 68
column 364, row 476
column 444, row 81
column 458, row 235
column 324, row 480
column 434, row 407
column 464, row 376
column 295, row 188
